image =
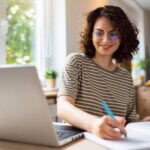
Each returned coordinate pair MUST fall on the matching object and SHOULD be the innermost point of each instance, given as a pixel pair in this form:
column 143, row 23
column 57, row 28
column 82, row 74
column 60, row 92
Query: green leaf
column 50, row 74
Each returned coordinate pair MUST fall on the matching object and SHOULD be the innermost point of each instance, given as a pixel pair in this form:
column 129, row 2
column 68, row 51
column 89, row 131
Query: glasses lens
column 113, row 36
column 99, row 34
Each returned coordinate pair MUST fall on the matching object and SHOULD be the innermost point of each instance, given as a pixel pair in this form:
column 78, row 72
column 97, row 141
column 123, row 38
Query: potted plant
column 142, row 65
column 50, row 76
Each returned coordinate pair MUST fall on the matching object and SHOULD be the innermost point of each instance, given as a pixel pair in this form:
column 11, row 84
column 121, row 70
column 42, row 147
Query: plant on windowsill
column 50, row 76
column 142, row 65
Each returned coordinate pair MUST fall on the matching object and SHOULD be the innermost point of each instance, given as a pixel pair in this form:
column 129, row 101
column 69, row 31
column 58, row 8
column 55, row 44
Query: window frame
column 43, row 34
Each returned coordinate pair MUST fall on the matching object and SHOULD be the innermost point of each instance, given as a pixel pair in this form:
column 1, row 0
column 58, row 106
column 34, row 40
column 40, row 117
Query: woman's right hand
column 104, row 127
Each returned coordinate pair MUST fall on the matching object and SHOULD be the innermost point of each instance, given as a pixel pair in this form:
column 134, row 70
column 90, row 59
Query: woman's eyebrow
column 113, row 30
column 99, row 30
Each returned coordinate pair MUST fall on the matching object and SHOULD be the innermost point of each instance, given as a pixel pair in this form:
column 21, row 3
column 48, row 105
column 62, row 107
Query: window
column 25, row 30
column 20, row 39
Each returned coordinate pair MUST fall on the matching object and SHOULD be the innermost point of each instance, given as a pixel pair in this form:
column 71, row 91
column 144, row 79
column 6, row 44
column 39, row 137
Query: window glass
column 20, row 37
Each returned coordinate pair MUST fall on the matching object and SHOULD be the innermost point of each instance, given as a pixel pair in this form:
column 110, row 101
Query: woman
column 90, row 78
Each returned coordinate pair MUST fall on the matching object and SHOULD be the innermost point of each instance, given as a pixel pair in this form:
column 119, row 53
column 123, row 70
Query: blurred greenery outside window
column 139, row 66
column 20, row 37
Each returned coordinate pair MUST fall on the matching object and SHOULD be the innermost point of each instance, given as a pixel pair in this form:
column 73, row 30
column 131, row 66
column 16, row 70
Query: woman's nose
column 105, row 38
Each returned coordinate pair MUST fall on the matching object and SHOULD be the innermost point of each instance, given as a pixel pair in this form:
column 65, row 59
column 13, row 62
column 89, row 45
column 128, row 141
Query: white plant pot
column 51, row 83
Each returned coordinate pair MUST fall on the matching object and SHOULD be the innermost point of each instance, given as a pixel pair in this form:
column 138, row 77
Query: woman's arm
column 99, row 126
column 65, row 106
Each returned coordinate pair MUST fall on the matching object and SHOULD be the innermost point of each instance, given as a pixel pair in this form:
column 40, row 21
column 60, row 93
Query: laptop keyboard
column 64, row 131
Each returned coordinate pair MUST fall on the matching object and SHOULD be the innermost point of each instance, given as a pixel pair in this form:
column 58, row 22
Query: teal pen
column 109, row 112
column 107, row 109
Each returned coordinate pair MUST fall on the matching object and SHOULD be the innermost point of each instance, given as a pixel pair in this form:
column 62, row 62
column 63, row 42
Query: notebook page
column 134, row 141
column 142, row 127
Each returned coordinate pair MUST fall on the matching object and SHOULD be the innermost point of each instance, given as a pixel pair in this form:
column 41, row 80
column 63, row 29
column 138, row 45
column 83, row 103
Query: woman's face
column 106, row 39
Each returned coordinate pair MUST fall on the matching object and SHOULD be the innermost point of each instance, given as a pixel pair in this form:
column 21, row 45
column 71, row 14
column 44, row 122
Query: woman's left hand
column 147, row 118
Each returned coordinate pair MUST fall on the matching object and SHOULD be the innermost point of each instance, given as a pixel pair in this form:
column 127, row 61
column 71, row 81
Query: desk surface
column 81, row 144
column 50, row 94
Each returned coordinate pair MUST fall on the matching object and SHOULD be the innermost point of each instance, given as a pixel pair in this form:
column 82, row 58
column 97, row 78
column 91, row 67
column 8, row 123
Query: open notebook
column 138, row 138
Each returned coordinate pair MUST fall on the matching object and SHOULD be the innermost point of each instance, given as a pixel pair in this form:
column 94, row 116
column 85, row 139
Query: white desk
column 81, row 144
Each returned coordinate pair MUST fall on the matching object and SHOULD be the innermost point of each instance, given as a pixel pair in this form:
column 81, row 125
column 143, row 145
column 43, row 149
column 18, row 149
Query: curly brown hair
column 127, row 30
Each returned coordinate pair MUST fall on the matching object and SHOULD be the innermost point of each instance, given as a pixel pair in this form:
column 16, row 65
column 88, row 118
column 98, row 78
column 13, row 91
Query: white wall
column 3, row 28
column 67, row 23
column 76, row 12
column 58, row 35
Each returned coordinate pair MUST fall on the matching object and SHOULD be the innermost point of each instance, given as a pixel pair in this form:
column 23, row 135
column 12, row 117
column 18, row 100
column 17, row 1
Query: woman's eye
column 98, row 33
column 113, row 36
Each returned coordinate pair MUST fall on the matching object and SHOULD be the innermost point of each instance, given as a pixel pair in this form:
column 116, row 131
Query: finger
column 122, row 129
column 122, row 121
column 113, row 122
column 116, row 124
column 111, row 133
column 146, row 118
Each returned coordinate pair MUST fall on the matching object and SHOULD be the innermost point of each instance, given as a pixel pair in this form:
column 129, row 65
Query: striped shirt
column 89, row 85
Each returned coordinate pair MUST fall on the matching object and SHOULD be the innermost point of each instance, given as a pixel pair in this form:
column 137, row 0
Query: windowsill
column 48, row 89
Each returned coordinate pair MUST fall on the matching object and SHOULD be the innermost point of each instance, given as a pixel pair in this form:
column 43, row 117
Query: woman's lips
column 106, row 46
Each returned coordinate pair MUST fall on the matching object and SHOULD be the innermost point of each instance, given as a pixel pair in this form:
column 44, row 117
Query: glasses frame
column 108, row 35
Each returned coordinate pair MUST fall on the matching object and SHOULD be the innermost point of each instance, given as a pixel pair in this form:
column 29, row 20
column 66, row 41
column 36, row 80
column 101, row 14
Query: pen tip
column 125, row 134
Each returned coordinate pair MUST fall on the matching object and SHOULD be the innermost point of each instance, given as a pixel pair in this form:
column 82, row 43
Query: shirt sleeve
column 70, row 76
column 131, row 111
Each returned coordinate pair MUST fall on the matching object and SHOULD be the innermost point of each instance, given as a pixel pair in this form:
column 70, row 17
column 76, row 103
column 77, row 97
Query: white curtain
column 43, row 35
column 3, row 30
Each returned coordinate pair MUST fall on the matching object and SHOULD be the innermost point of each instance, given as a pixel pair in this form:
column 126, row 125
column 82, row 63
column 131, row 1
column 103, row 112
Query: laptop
column 24, row 113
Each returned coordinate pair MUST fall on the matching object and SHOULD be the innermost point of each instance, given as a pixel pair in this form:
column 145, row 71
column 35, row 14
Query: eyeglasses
column 112, row 36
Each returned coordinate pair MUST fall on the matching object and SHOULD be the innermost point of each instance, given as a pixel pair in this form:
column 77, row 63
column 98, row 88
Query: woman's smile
column 106, row 46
